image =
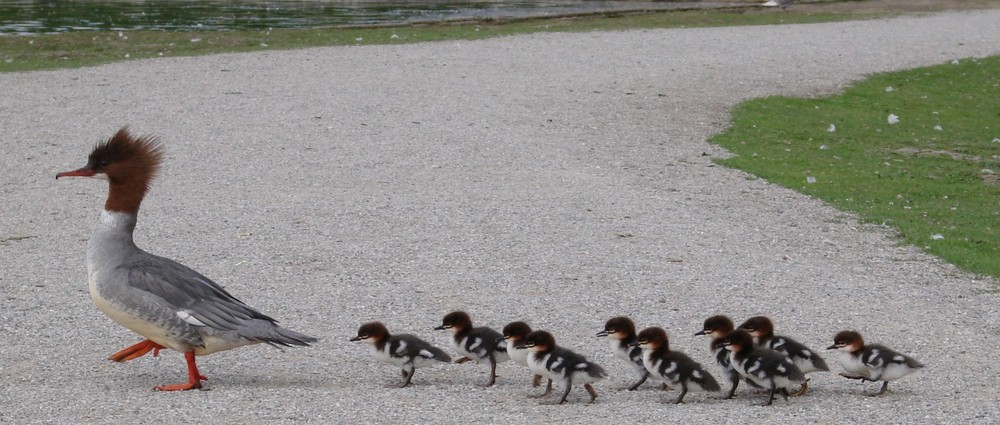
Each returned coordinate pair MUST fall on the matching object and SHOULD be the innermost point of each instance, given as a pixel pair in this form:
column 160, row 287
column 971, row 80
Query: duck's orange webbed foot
column 194, row 377
column 178, row 387
column 137, row 350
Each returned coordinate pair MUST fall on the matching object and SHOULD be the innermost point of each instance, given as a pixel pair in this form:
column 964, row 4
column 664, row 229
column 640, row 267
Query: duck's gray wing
column 199, row 301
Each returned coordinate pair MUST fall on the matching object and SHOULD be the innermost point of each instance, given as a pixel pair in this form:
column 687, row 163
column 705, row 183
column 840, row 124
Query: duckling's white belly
column 518, row 355
column 853, row 365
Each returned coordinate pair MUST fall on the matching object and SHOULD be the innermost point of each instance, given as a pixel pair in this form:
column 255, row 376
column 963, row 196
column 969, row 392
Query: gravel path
column 556, row 178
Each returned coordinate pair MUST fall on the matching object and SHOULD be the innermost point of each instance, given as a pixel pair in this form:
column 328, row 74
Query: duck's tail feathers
column 280, row 337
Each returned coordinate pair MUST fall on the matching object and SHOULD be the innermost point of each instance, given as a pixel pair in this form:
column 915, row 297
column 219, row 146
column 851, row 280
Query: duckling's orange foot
column 802, row 390
column 137, row 350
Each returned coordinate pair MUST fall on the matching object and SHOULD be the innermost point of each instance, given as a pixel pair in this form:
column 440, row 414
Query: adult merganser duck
column 170, row 304
column 871, row 362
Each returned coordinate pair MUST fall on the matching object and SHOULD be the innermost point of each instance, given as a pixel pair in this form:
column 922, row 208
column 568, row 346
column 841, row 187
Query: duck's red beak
column 83, row 172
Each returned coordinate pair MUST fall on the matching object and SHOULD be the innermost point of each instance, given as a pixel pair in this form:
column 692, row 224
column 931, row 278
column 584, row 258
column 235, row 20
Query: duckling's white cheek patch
column 189, row 319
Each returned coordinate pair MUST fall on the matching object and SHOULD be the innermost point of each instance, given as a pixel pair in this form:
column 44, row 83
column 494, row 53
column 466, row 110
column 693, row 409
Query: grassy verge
column 932, row 175
column 69, row 50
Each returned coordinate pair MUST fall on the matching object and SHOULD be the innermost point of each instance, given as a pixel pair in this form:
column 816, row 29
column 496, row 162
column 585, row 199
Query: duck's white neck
column 112, row 238
column 116, row 221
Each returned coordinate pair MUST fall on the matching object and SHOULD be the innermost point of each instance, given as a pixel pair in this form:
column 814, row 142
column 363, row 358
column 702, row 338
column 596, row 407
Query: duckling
column 513, row 335
column 621, row 331
column 718, row 327
column 403, row 350
column 872, row 362
column 808, row 361
column 560, row 364
column 480, row 344
column 672, row 367
column 765, row 367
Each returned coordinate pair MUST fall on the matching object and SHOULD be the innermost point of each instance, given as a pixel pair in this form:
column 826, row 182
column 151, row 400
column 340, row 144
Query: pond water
column 53, row 16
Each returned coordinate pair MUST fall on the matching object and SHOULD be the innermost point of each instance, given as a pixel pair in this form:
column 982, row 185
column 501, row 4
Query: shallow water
column 26, row 17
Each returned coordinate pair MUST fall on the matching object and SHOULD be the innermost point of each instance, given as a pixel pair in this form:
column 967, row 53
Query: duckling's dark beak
column 602, row 333
column 832, row 347
column 357, row 338
column 699, row 333
column 441, row 328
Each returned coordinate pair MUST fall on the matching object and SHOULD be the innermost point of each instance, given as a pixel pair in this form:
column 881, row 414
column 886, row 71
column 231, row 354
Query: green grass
column 936, row 186
column 77, row 49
